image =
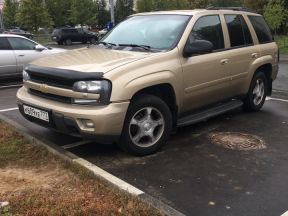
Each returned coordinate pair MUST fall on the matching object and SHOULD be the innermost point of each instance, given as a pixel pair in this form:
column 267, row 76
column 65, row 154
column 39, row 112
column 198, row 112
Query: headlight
column 26, row 76
column 102, row 87
column 88, row 86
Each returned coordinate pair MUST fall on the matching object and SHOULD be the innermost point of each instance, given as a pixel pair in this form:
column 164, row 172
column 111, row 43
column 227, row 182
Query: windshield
column 154, row 31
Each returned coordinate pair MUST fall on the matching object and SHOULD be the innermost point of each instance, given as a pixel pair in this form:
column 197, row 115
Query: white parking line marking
column 7, row 110
column 276, row 99
column 10, row 86
column 285, row 214
column 73, row 145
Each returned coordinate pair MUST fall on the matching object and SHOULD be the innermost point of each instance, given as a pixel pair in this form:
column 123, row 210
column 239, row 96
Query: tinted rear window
column 238, row 31
column 261, row 28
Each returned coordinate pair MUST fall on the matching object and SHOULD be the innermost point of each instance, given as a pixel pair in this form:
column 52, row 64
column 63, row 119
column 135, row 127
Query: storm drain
column 237, row 141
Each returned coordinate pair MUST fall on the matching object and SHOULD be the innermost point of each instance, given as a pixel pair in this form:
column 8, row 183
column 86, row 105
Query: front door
column 206, row 77
column 24, row 51
column 7, row 59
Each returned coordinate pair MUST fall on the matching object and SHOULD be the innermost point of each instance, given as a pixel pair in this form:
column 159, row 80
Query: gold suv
column 152, row 73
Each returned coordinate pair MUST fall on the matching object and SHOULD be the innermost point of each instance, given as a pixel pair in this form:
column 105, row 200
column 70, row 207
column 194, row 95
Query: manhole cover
column 237, row 141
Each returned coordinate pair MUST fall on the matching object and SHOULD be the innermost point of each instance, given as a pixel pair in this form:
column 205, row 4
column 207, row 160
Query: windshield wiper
column 105, row 43
column 145, row 47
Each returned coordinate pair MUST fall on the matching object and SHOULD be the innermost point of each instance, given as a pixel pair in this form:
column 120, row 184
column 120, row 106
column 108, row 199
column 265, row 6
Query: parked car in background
column 102, row 32
column 69, row 35
column 20, row 32
column 17, row 51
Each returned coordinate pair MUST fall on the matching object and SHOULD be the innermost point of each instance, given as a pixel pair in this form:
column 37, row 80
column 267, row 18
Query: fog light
column 88, row 123
column 84, row 101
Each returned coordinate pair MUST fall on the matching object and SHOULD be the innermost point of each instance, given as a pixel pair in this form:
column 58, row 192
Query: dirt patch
column 237, row 141
column 16, row 179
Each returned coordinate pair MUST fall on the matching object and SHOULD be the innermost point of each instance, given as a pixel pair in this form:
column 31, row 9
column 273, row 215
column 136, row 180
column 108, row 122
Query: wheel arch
column 266, row 69
column 166, row 92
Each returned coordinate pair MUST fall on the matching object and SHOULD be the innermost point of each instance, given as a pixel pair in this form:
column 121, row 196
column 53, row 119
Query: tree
column 225, row 3
column 9, row 13
column 144, row 5
column 257, row 5
column 103, row 16
column 275, row 14
column 59, row 11
column 33, row 14
column 123, row 8
column 82, row 12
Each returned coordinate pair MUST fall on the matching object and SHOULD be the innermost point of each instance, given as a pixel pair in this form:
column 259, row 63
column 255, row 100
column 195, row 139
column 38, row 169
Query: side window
column 261, row 28
column 80, row 30
column 4, row 44
column 208, row 28
column 74, row 31
column 238, row 31
column 21, row 44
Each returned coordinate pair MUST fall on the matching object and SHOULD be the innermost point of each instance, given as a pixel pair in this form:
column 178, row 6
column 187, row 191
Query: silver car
column 17, row 51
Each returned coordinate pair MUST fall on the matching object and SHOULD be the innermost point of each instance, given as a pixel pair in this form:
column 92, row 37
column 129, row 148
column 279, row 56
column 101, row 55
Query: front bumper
column 69, row 119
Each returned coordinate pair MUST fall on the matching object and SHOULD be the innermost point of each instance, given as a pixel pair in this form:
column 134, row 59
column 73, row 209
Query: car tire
column 93, row 41
column 257, row 93
column 68, row 42
column 147, row 126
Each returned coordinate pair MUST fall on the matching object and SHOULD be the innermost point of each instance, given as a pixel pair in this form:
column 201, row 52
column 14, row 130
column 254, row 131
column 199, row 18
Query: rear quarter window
column 261, row 28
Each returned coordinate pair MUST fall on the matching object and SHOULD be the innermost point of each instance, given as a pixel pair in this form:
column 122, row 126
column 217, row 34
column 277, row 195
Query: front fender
column 131, row 87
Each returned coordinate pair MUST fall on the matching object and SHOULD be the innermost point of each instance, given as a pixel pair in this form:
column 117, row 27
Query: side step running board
column 209, row 113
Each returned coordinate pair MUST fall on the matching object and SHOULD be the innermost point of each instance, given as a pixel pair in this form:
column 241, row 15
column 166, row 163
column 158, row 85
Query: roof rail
column 233, row 8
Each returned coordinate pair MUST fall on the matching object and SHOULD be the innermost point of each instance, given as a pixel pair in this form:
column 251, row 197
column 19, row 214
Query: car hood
column 56, row 50
column 90, row 59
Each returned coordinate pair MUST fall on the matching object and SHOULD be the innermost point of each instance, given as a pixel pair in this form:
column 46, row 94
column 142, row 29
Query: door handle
column 21, row 55
column 254, row 55
column 224, row 61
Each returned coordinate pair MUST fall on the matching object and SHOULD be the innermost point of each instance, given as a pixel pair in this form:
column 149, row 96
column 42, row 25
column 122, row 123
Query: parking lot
column 192, row 174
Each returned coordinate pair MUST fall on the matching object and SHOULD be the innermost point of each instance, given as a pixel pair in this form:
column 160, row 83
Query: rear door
column 242, row 52
column 7, row 59
column 24, row 51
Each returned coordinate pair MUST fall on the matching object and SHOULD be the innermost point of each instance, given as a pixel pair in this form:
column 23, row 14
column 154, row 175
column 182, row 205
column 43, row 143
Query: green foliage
column 123, row 8
column 150, row 5
column 275, row 14
column 33, row 14
column 59, row 11
column 257, row 5
column 103, row 16
column 9, row 13
column 82, row 12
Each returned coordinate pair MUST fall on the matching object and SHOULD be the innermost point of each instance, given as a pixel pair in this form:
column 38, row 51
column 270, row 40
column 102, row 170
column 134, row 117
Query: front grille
column 60, row 83
column 53, row 97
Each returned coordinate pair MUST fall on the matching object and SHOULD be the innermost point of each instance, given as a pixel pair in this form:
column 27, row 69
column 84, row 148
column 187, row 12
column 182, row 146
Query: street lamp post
column 111, row 2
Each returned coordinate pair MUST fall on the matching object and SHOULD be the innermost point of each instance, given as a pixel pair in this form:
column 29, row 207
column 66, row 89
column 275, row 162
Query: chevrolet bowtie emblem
column 44, row 88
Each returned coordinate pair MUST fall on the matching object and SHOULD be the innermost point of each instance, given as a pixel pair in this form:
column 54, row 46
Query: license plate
column 54, row 38
column 36, row 113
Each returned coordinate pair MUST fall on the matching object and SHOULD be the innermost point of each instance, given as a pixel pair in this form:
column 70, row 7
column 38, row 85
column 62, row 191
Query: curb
column 98, row 172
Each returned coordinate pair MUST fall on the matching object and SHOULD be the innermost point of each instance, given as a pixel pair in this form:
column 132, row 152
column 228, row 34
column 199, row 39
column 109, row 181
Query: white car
column 17, row 51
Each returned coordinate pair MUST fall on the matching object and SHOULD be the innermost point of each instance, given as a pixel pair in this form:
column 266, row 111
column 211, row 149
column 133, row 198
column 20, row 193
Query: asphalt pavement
column 192, row 174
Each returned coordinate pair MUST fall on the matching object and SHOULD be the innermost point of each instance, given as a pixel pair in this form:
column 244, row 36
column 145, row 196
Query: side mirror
column 39, row 48
column 197, row 47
